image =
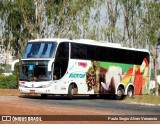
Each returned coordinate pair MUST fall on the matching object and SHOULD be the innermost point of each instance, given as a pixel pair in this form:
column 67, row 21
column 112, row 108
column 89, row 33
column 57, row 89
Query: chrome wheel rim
column 119, row 93
column 130, row 94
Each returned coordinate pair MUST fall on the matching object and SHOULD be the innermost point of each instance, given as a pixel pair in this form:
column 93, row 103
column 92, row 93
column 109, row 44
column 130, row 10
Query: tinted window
column 61, row 61
column 82, row 51
column 62, row 51
column 109, row 54
column 132, row 57
column 101, row 53
column 91, row 52
column 40, row 50
column 78, row 51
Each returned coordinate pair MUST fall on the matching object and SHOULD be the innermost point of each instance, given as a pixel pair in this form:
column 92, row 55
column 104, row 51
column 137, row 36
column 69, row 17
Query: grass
column 9, row 92
column 150, row 99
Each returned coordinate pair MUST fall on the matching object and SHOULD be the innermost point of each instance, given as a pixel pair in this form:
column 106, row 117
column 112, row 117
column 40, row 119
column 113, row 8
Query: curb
column 146, row 104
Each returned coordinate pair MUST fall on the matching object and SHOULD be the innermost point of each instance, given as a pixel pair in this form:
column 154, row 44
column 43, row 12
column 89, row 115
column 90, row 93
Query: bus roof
column 89, row 42
column 106, row 44
column 49, row 40
column 94, row 42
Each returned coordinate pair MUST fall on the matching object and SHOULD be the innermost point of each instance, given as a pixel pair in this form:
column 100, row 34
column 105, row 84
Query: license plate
column 32, row 91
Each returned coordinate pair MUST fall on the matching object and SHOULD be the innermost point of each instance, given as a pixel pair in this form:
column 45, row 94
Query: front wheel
column 43, row 96
column 70, row 92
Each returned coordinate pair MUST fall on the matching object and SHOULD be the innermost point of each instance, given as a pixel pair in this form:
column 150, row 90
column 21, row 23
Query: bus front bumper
column 36, row 90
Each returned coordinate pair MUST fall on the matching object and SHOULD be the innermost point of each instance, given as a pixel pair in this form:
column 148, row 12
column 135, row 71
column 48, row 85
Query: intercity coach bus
column 83, row 67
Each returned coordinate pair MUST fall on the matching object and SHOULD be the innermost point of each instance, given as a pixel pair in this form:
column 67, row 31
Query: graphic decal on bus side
column 103, row 77
column 82, row 64
column 77, row 75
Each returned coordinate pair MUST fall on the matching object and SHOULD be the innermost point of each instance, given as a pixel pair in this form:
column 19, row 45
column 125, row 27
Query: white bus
column 86, row 67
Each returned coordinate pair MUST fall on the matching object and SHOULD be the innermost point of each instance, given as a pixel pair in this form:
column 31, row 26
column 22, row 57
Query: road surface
column 114, row 106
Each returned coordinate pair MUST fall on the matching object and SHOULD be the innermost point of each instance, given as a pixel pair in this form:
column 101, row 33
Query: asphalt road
column 116, row 106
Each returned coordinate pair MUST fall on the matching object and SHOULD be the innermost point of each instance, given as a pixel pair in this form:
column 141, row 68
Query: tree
column 17, row 28
column 29, row 19
column 112, row 17
column 69, row 18
column 132, row 13
column 152, row 22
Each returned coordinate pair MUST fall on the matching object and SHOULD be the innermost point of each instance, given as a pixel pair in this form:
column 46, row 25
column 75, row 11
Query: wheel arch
column 74, row 86
column 129, row 85
column 120, row 85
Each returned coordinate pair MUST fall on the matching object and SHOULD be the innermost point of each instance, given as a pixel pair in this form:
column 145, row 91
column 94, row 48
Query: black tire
column 102, row 96
column 130, row 92
column 70, row 92
column 93, row 96
column 120, row 93
column 106, row 96
column 43, row 96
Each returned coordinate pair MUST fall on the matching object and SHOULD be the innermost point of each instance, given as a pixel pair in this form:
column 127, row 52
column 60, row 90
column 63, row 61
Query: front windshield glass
column 40, row 50
column 34, row 71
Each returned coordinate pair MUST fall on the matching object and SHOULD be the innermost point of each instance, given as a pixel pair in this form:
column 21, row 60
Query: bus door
column 61, row 61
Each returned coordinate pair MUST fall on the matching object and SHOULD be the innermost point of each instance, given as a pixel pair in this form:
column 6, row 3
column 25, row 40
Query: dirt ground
column 12, row 103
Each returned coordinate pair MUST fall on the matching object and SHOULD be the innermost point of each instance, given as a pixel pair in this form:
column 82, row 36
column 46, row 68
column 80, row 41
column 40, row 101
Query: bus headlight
column 21, row 84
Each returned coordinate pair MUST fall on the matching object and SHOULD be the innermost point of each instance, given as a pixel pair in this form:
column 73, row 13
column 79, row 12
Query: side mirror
column 13, row 64
column 50, row 64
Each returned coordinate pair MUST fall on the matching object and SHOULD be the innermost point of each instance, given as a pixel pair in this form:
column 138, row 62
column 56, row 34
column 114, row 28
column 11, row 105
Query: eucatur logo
column 83, row 64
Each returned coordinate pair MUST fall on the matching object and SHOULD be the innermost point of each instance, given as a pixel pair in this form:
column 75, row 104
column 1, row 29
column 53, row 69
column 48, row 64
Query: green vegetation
column 152, row 91
column 132, row 23
column 29, row 19
column 152, row 73
column 11, row 81
column 8, row 82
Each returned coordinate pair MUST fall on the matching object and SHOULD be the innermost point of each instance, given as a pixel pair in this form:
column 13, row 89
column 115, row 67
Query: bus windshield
column 34, row 71
column 40, row 50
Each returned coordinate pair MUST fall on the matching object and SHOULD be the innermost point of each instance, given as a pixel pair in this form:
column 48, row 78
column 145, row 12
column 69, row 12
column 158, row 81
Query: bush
column 8, row 82
column 152, row 91
column 152, row 73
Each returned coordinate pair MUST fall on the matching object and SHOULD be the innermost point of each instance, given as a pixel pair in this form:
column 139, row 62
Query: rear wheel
column 120, row 93
column 130, row 92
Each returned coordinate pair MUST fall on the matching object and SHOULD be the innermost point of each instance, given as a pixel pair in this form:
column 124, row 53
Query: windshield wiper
column 42, row 79
column 23, row 79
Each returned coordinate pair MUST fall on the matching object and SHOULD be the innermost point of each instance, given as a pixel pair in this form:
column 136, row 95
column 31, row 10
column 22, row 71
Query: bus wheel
column 70, row 92
column 105, row 96
column 102, row 96
column 130, row 92
column 43, row 96
column 93, row 96
column 120, row 93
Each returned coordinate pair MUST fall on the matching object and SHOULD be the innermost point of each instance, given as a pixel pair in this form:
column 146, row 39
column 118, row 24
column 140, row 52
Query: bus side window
column 61, row 60
column 57, row 70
